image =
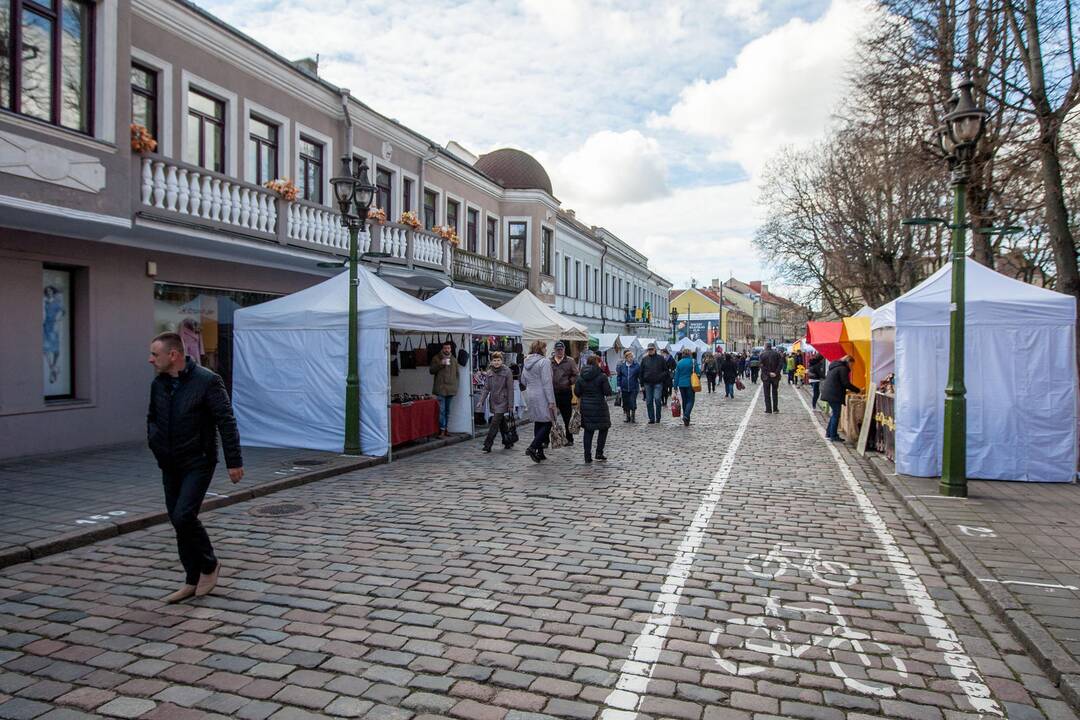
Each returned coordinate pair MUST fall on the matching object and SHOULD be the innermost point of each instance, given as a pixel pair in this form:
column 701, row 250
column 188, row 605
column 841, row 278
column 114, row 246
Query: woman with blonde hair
column 539, row 397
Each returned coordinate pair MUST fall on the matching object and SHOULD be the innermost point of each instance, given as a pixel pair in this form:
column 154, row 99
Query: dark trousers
column 772, row 392
column 791, row 377
column 834, row 421
column 541, row 430
column 711, row 377
column 601, row 441
column 687, row 394
column 494, row 428
column 817, row 393
column 653, row 393
column 184, row 493
column 564, row 400
column 729, row 389
column 753, row 374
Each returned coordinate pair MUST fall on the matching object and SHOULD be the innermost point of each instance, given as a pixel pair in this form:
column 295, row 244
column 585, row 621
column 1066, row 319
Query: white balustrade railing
column 428, row 248
column 201, row 194
column 318, row 225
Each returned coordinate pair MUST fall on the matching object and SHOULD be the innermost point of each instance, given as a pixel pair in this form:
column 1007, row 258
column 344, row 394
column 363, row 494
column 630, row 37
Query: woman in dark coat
column 730, row 371
column 815, row 373
column 593, row 390
column 834, row 391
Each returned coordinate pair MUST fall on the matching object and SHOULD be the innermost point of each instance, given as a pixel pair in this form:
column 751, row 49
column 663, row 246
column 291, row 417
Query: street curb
column 1062, row 669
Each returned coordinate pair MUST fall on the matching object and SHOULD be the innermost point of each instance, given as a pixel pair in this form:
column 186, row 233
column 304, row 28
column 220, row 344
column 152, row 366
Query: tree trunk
column 1057, row 222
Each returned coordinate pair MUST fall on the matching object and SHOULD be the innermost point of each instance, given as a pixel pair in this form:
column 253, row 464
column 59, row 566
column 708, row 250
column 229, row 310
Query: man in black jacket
column 188, row 408
column 771, row 367
column 653, row 374
column 834, row 391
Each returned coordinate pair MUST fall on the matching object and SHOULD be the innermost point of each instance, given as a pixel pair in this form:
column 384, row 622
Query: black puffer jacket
column 592, row 389
column 182, row 424
column 837, row 383
column 653, row 369
column 729, row 369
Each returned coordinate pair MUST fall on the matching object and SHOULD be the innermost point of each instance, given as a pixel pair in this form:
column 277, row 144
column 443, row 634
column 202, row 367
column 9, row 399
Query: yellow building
column 699, row 305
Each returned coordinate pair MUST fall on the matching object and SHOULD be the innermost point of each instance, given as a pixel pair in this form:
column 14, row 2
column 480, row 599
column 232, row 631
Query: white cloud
column 781, row 91
column 610, row 168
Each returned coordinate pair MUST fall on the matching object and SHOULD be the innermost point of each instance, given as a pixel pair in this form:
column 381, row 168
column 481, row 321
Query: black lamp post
column 674, row 321
column 354, row 194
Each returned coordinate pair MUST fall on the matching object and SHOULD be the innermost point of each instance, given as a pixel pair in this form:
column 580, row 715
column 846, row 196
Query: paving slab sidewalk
column 1019, row 543
column 57, row 502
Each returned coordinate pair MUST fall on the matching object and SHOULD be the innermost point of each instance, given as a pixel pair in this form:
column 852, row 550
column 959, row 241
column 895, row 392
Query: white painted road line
column 958, row 661
column 1032, row 584
column 623, row 702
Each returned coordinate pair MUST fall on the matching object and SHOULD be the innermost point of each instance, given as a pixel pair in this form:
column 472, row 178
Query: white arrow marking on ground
column 623, row 702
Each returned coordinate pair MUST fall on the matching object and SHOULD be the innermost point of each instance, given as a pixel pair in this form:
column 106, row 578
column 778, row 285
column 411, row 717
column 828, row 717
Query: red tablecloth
column 414, row 420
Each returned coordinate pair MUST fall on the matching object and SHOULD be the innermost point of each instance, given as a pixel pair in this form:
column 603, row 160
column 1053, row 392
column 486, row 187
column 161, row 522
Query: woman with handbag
column 593, row 388
column 499, row 394
column 539, row 396
column 628, row 373
column 686, row 370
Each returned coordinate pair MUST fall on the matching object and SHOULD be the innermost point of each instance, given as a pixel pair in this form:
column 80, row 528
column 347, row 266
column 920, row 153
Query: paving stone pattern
column 461, row 585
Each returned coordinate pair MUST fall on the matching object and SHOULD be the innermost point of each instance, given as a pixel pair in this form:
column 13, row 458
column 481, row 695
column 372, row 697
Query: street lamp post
column 955, row 141
column 354, row 193
column 674, row 321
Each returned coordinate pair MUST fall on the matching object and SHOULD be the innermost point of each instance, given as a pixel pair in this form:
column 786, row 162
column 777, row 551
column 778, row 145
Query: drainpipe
column 603, row 292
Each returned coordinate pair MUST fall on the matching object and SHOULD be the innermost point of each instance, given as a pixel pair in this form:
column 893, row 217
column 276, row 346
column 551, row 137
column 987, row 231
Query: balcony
column 480, row 270
column 186, row 195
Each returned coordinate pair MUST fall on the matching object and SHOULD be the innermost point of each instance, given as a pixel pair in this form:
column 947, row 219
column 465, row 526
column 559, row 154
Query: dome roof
column 515, row 170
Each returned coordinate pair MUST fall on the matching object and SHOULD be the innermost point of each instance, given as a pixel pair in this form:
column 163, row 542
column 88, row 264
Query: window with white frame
column 205, row 131
column 517, row 240
column 263, row 138
column 311, row 170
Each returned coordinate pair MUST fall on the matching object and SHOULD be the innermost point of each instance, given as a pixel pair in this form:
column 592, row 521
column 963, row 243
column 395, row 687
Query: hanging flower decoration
column 285, row 189
column 410, row 219
column 376, row 214
column 447, row 233
column 141, row 140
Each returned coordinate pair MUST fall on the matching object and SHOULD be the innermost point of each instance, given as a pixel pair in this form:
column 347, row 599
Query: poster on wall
column 56, row 332
column 704, row 330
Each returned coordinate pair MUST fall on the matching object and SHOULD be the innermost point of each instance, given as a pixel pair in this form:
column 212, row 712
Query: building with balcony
column 606, row 285
column 105, row 244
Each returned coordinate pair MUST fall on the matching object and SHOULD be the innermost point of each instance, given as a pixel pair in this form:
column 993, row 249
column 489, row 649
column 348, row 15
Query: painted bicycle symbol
column 768, row 635
column 789, row 560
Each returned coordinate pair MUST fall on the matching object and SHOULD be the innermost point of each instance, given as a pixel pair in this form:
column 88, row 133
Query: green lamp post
column 353, row 192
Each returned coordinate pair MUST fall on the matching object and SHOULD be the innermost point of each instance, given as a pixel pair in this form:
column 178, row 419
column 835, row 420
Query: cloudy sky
column 653, row 118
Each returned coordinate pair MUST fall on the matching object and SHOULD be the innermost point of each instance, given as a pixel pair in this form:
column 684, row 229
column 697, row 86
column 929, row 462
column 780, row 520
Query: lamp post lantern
column 674, row 320
column 955, row 141
column 353, row 193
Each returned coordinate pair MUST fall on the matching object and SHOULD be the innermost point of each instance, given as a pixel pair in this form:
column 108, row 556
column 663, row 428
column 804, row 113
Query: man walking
column 445, row 369
column 188, row 409
column 564, row 372
column 771, row 366
column 654, row 375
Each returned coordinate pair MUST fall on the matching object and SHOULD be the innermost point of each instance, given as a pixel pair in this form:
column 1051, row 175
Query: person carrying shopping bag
column 499, row 394
column 685, row 370
column 539, row 396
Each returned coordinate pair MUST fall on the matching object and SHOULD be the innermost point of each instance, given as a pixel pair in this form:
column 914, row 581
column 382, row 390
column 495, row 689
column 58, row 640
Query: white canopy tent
column 632, row 342
column 291, row 357
column 608, row 341
column 1020, row 362
column 540, row 322
column 485, row 320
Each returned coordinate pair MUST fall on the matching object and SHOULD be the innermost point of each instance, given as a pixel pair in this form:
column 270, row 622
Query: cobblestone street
column 739, row 568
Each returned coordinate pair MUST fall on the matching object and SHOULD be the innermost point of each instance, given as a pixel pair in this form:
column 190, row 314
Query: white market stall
column 1020, row 375
column 541, row 322
column 611, row 348
column 291, row 357
column 487, row 325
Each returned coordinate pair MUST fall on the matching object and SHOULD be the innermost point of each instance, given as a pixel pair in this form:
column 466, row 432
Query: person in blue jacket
column 627, row 373
column 686, row 366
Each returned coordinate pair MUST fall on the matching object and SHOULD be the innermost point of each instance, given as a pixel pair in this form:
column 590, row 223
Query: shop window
column 57, row 333
column 204, row 319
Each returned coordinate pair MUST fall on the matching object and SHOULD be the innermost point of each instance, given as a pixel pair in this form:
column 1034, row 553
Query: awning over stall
column 825, row 337
column 541, row 322
column 485, row 319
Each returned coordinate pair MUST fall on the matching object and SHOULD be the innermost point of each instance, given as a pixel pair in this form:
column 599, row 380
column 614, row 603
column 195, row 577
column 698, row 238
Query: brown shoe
column 183, row 593
column 207, row 582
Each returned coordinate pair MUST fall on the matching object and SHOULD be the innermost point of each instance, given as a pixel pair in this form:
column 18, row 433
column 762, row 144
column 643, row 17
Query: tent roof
column 326, row 306
column 990, row 299
column 540, row 322
column 825, row 337
column 631, row 341
column 864, row 311
column 607, row 340
column 485, row 320
column 884, row 316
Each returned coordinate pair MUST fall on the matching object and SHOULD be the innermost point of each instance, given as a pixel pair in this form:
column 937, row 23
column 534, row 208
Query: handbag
column 509, row 430
column 739, row 384
column 395, row 367
column 695, row 382
column 421, row 354
column 618, row 399
column 557, row 437
column 676, row 407
column 575, row 421
column 462, row 357
column 408, row 356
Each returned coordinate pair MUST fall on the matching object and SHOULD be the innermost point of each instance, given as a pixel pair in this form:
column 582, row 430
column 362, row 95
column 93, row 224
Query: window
column 56, row 340
column 384, row 180
column 518, row 234
column 430, row 200
column 311, row 170
column 46, row 61
column 144, row 94
column 206, row 132
column 472, row 232
column 587, row 273
column 577, row 279
column 492, row 237
column 545, row 251
column 453, row 207
column 566, row 285
column 406, row 195
column 596, row 284
column 263, row 150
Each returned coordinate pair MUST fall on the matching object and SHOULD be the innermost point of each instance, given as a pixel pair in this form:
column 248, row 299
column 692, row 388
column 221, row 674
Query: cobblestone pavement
column 63, row 496
column 739, row 568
